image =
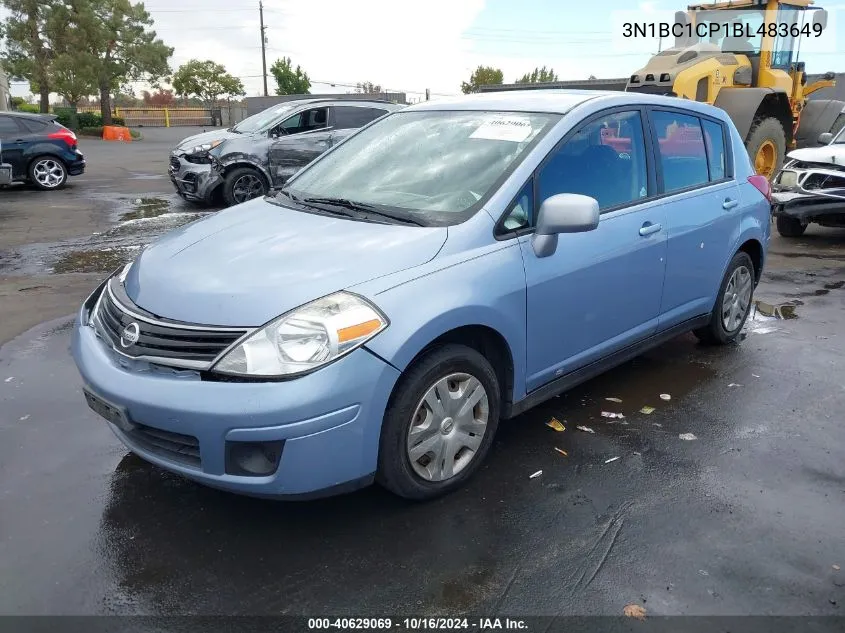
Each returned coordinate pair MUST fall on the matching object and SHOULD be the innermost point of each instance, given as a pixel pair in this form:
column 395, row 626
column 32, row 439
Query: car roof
column 336, row 101
column 31, row 115
column 561, row 101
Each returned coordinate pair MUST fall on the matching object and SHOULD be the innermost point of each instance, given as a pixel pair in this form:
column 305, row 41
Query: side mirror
column 820, row 18
column 825, row 138
column 563, row 213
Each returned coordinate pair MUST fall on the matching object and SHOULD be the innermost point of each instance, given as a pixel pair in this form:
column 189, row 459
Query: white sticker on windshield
column 514, row 129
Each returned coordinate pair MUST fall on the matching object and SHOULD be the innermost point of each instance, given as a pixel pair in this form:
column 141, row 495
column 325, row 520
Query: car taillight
column 64, row 135
column 761, row 184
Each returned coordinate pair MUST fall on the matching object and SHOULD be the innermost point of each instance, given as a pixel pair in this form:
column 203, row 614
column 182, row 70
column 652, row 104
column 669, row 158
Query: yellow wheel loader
column 742, row 56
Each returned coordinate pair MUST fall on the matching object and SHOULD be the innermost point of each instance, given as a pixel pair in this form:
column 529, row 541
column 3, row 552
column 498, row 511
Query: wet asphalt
column 745, row 519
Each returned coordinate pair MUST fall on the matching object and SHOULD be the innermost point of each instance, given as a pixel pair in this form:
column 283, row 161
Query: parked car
column 450, row 265
column 36, row 149
column 811, row 186
column 264, row 150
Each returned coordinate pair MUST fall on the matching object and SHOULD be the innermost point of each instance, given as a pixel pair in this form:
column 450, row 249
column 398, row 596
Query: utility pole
column 263, row 42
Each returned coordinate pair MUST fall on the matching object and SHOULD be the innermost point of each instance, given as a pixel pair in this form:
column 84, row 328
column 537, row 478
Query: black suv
column 263, row 151
column 34, row 148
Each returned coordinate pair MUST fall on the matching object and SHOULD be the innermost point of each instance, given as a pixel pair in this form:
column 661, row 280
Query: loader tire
column 766, row 146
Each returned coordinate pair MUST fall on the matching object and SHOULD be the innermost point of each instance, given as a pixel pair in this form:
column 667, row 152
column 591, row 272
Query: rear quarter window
column 33, row 126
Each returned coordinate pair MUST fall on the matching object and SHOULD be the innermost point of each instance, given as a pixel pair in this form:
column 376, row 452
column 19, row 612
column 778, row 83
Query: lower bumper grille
column 176, row 447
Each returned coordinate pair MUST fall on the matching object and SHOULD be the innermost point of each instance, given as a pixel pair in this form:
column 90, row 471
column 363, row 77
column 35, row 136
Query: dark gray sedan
column 261, row 152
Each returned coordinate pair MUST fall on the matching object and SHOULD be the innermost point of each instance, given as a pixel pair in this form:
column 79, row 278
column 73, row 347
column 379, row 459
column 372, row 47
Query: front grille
column 162, row 341
column 184, row 449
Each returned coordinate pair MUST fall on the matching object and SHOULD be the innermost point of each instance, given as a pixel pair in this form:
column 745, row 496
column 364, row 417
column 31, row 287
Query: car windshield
column 839, row 139
column 261, row 120
column 438, row 165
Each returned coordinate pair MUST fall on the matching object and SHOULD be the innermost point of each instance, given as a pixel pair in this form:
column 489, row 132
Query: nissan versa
column 450, row 265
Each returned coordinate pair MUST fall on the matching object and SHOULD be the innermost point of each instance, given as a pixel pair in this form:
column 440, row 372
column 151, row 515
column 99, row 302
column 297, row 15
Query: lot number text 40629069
column 417, row 624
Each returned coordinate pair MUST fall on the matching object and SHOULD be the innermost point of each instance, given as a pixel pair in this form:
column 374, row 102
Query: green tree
column 206, row 80
column 483, row 76
column 27, row 54
column 538, row 76
column 368, row 88
column 118, row 44
column 288, row 80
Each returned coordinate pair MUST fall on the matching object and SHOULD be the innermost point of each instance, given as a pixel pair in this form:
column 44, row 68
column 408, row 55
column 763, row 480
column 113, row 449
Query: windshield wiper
column 363, row 207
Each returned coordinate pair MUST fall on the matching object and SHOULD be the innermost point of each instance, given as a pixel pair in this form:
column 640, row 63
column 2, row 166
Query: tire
column 716, row 332
column 242, row 184
column 763, row 132
column 47, row 173
column 396, row 470
column 790, row 227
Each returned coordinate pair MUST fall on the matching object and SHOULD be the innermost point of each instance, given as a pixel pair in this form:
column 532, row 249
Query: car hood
column 205, row 137
column 250, row 263
column 834, row 154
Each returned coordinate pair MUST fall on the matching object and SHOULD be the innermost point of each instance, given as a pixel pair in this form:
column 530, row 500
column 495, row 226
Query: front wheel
column 790, row 227
column 242, row 184
column 733, row 303
column 766, row 146
column 440, row 423
column 48, row 173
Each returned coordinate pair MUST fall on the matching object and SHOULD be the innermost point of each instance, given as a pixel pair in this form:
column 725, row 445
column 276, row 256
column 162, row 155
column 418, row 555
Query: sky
column 410, row 45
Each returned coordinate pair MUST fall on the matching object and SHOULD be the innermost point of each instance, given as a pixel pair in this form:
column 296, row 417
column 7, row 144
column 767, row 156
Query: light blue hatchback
column 448, row 266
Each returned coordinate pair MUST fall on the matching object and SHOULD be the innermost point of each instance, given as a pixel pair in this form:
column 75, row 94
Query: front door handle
column 729, row 204
column 648, row 228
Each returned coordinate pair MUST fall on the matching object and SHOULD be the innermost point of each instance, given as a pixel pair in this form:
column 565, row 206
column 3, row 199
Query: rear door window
column 354, row 117
column 680, row 150
column 9, row 128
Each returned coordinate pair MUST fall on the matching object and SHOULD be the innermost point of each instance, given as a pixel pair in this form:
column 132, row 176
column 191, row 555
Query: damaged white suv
column 811, row 185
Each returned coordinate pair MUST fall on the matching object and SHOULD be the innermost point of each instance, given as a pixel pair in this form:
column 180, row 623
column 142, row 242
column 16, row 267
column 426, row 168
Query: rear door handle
column 729, row 204
column 648, row 228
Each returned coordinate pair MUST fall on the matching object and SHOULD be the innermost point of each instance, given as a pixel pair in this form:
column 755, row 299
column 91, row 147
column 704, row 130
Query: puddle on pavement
column 785, row 310
column 139, row 221
column 94, row 261
column 146, row 208
column 836, row 285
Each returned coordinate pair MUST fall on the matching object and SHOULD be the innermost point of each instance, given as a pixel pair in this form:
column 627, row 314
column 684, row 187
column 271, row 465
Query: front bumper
column 809, row 194
column 329, row 420
column 193, row 181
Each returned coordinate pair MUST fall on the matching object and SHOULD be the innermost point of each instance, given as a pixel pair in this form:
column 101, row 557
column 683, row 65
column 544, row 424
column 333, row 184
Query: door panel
column 12, row 140
column 599, row 292
column 702, row 219
column 701, row 234
column 289, row 154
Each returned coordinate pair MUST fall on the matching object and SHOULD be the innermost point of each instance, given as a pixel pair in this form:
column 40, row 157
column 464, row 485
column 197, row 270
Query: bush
column 91, row 131
column 86, row 120
column 28, row 107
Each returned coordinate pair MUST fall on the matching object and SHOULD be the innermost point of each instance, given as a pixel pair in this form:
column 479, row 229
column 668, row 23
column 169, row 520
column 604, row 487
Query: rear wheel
column 733, row 303
column 790, row 227
column 766, row 146
column 48, row 172
column 439, row 424
column 242, row 184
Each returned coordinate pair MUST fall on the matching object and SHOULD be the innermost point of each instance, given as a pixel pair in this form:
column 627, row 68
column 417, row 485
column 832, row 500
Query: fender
column 233, row 161
column 41, row 148
column 743, row 105
column 455, row 297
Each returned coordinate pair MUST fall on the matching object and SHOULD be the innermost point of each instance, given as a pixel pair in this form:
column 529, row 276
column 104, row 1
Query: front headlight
column 205, row 147
column 305, row 338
